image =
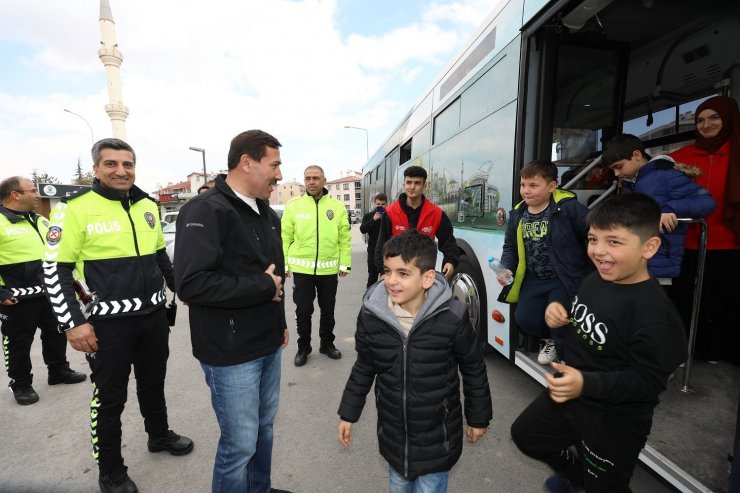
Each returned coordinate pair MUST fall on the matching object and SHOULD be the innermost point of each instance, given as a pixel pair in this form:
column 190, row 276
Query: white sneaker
column 547, row 352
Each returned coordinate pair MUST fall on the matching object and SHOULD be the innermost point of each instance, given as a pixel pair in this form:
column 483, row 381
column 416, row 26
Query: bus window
column 405, row 152
column 587, row 85
column 493, row 89
column 422, row 141
column 447, row 122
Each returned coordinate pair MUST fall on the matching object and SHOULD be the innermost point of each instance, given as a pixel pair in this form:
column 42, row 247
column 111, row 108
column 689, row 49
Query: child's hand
column 668, row 222
column 345, row 433
column 501, row 280
column 556, row 315
column 565, row 387
column 474, row 434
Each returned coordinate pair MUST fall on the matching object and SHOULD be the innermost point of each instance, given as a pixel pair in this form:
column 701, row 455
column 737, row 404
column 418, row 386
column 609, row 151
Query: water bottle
column 498, row 268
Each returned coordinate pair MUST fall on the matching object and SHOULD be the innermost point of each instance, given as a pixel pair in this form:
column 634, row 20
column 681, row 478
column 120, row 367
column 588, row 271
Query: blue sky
column 197, row 73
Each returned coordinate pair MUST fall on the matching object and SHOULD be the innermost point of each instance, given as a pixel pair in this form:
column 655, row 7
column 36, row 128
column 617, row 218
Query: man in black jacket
column 230, row 270
column 371, row 227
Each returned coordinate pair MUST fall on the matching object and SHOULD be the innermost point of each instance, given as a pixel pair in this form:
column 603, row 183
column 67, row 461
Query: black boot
column 24, row 395
column 118, row 482
column 65, row 375
column 170, row 442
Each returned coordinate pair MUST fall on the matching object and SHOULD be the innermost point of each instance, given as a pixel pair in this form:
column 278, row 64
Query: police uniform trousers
column 18, row 324
column 306, row 287
column 141, row 341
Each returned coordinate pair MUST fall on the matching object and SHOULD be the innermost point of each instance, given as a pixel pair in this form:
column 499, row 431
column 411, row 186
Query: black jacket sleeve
column 383, row 235
column 469, row 356
column 510, row 254
column 360, row 380
column 446, row 241
column 165, row 265
column 58, row 281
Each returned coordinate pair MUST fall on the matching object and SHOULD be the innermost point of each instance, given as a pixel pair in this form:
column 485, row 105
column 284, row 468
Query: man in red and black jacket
column 413, row 211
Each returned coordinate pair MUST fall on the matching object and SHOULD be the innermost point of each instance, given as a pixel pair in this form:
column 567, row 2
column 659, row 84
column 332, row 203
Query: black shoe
column 25, row 395
column 558, row 484
column 330, row 351
column 117, row 483
column 301, row 356
column 172, row 443
column 275, row 490
column 66, row 375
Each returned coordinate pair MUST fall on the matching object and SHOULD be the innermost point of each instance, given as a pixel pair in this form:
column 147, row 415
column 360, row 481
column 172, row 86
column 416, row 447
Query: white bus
column 555, row 79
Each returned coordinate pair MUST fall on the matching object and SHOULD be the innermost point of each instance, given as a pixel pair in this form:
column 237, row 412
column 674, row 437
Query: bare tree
column 41, row 176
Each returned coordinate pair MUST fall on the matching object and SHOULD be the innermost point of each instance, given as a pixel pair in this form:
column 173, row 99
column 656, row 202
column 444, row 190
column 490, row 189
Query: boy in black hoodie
column 411, row 338
column 624, row 341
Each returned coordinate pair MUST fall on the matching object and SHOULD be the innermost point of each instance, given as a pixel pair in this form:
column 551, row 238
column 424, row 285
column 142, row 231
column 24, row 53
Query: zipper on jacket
column 35, row 225
column 138, row 254
column 405, row 411
column 316, row 260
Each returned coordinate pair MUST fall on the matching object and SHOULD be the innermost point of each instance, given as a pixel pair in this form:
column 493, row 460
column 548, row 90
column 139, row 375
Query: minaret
column 112, row 58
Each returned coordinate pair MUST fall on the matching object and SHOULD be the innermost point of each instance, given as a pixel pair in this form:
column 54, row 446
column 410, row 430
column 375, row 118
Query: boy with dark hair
column 545, row 245
column 672, row 185
column 409, row 331
column 413, row 211
column 624, row 341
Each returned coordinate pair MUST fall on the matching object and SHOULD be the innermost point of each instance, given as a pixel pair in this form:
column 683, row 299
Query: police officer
column 23, row 303
column 317, row 246
column 113, row 238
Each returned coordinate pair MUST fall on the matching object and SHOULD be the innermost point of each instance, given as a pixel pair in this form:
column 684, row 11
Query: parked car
column 170, row 217
column 169, row 233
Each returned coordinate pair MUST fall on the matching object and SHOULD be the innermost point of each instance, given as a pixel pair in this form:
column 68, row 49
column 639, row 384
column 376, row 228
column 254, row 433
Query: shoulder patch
column 149, row 218
column 54, row 235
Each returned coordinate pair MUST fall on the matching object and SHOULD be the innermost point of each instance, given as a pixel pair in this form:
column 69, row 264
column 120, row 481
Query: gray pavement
column 45, row 447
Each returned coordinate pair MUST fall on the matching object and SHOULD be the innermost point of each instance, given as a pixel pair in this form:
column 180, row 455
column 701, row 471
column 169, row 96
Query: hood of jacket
column 559, row 195
column 376, row 301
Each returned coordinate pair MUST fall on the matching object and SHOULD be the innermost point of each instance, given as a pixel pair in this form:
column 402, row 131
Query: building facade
column 347, row 189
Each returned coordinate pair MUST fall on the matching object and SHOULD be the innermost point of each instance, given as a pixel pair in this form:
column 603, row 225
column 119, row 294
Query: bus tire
column 467, row 286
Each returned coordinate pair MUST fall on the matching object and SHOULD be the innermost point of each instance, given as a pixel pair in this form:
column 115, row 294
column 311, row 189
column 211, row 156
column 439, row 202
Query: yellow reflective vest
column 316, row 236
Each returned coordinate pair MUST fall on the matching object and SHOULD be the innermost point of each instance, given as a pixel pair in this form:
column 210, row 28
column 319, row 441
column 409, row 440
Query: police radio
column 172, row 311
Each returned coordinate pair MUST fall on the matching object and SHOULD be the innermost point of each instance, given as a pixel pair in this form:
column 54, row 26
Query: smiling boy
column 545, row 246
column 411, row 338
column 623, row 341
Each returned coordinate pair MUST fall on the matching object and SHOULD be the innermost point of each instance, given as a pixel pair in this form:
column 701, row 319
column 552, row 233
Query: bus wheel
column 467, row 286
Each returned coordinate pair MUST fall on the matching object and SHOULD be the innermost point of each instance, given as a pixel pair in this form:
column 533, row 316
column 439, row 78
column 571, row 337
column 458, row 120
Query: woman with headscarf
column 717, row 153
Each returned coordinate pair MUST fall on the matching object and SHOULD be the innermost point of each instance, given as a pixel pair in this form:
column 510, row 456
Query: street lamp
column 86, row 122
column 367, row 147
column 203, row 152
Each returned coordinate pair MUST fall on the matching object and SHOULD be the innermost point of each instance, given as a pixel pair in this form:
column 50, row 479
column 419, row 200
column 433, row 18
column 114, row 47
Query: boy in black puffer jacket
column 411, row 339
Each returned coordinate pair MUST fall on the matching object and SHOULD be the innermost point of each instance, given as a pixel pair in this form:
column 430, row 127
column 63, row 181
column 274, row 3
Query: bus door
column 580, row 93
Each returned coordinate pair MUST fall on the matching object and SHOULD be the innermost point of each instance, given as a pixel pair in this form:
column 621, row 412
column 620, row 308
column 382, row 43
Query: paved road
column 45, row 447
